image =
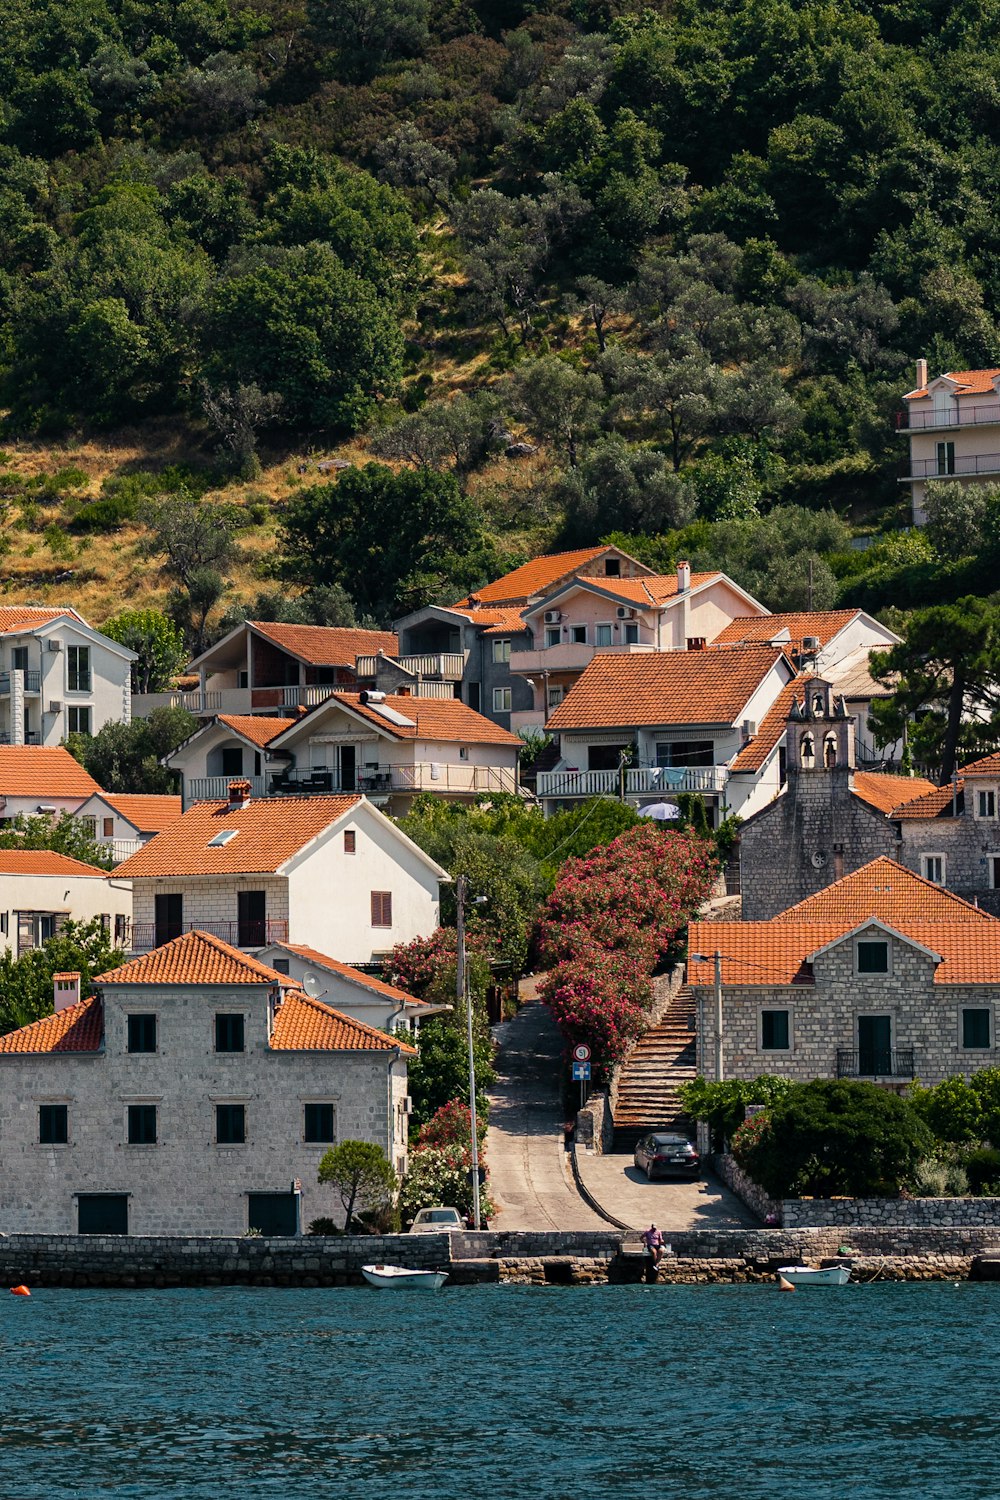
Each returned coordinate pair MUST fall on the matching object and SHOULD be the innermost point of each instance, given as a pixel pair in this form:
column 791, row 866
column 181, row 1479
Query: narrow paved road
column 530, row 1177
column 624, row 1192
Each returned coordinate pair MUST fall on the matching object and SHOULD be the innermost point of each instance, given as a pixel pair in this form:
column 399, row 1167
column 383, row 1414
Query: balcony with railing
column 205, row 702
column 959, row 466
column 571, row 656
column 32, row 682
column 641, row 781
column 876, row 1062
column 424, row 776
column 448, row 666
column 920, row 419
column 142, row 936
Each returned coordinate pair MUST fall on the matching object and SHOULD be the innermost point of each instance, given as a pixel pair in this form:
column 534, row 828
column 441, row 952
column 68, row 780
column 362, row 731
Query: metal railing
column 961, row 464
column 32, row 682
column 639, row 782
column 142, row 936
column 918, row 420
column 875, row 1062
column 216, row 788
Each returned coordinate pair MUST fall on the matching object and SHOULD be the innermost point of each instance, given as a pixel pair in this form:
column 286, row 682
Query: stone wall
column 895, row 1213
column 750, row 1192
column 595, row 1125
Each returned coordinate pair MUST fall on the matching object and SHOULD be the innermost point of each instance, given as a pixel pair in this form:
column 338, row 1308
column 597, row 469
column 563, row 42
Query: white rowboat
column 403, row 1278
column 815, row 1275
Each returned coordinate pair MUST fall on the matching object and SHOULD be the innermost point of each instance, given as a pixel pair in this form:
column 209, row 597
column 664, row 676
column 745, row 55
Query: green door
column 102, row 1213
column 274, row 1213
column 875, row 1046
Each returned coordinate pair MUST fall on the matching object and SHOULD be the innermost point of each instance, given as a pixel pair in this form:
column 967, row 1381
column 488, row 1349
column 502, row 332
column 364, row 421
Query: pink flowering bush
column 636, row 893
column 451, row 1125
column 591, row 1002
column 418, row 966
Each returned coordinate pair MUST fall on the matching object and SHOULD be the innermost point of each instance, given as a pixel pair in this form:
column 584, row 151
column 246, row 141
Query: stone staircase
column 662, row 1060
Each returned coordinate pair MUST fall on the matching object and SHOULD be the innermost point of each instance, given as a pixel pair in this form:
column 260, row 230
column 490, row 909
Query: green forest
column 563, row 270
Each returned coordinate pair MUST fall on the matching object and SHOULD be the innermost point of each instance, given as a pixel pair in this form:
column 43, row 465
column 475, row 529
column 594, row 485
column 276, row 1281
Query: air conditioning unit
column 810, row 643
column 407, row 1105
column 624, row 613
column 55, row 645
column 552, row 616
column 55, row 707
column 749, row 728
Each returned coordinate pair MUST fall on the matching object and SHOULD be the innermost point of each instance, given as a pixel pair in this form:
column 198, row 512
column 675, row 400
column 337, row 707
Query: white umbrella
column 663, row 812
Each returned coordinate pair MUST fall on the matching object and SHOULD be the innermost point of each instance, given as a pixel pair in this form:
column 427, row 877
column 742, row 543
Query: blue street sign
column 581, row 1072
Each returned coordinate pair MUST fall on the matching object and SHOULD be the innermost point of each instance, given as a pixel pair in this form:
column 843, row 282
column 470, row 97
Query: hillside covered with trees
column 539, row 273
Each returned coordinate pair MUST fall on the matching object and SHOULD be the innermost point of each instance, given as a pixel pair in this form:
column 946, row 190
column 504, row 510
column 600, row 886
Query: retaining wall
column 898, row 1213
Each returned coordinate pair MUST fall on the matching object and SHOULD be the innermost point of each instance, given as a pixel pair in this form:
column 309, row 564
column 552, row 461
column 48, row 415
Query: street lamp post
column 463, row 998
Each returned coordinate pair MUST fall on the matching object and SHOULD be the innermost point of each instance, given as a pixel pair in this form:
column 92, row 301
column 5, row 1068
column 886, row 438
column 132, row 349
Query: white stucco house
column 194, row 1092
column 331, row 872
column 228, row 746
column 40, row 891
column 41, row 779
column 122, row 822
column 59, row 676
column 952, row 422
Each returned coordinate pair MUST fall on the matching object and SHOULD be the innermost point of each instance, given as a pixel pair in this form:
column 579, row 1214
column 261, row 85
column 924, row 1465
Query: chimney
column 239, row 795
column 683, row 577
column 65, row 990
column 921, row 374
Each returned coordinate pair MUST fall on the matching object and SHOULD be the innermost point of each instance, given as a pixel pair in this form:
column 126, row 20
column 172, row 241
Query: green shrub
column 324, row 1226
column 982, row 1167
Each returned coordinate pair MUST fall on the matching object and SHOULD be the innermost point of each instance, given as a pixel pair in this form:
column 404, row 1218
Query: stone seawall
column 734, row 1255
column 897, row 1213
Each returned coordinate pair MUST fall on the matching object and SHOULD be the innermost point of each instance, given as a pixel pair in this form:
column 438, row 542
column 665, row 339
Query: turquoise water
column 555, row 1393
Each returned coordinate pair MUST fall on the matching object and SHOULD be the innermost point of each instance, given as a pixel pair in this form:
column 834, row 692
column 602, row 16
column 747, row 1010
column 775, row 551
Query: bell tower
column 819, row 732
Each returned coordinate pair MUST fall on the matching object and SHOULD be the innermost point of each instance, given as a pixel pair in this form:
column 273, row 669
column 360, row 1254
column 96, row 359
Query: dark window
column 19, row 658
column 142, row 1033
column 612, row 567
column 142, row 1124
column 53, row 1124
column 232, row 760
column 169, row 918
column 273, row 1214
column 474, row 696
column 607, row 757
column 350, row 847
column 381, row 908
column 229, row 1033
column 873, row 958
column 326, row 676
column 230, row 1124
column 78, row 669
column 102, row 1213
column 78, row 720
column 280, row 965
column 976, row 1028
column 774, row 1030
column 686, row 753
column 318, row 1122
column 251, row 919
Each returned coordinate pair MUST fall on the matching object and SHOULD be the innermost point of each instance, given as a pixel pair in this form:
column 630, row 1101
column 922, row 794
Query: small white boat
column 815, row 1275
column 404, row 1278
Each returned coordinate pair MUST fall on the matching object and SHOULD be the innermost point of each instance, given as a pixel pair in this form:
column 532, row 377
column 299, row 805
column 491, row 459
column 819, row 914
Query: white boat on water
column 815, row 1275
column 404, row 1278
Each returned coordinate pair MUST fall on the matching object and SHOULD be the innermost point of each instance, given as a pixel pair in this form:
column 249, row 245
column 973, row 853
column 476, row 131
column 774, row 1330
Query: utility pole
column 718, row 1016
column 463, row 998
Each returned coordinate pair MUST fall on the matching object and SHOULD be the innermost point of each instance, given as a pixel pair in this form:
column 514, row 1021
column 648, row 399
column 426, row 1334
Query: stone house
column 40, row 891
column 881, row 976
column 331, row 872
column 58, row 676
column 194, row 1092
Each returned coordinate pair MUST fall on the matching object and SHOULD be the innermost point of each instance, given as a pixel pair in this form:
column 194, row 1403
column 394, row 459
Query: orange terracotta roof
column 327, row 645
column 148, row 811
column 352, row 975
column 17, row 618
column 78, row 1028
column 194, row 958
column 884, row 792
column 650, row 591
column 443, row 719
column 303, row 1024
column 505, row 621
column 987, row 765
column 937, row 803
column 269, row 831
column 665, row 687
column 761, row 953
column 257, row 728
column 46, row 862
column 823, row 624
column 888, row 891
column 43, row 771
column 533, row 577
column 970, row 383
column 757, row 749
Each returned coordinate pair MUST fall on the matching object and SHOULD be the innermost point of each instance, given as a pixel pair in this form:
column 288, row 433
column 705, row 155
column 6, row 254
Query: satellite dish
column 310, row 983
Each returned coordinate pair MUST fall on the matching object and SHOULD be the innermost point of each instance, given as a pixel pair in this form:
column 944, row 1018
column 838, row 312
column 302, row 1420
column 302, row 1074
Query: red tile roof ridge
column 270, row 831
column 319, row 644
column 350, row 973
column 881, row 789
column 864, row 895
column 986, row 765
column 934, row 803
column 975, row 382
column 258, row 728
column 47, row 862
column 147, row 811
column 76, row 1028
column 289, row 1034
column 194, row 958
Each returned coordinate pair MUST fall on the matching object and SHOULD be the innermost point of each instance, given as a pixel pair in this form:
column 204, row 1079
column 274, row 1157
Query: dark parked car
column 666, row 1154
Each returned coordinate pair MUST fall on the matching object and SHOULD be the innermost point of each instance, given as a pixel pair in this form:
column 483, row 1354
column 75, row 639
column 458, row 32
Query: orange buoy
column 20, row 1291
column 785, row 1286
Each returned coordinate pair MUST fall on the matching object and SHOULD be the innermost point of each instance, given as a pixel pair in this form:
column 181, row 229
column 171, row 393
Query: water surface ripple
column 630, row 1393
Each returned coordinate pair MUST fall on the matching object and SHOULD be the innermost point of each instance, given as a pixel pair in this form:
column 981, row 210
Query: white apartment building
column 58, row 676
column 953, row 426
column 40, row 891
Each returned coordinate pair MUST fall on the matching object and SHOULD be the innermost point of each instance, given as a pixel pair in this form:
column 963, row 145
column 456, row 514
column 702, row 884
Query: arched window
column 830, row 750
column 807, row 751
